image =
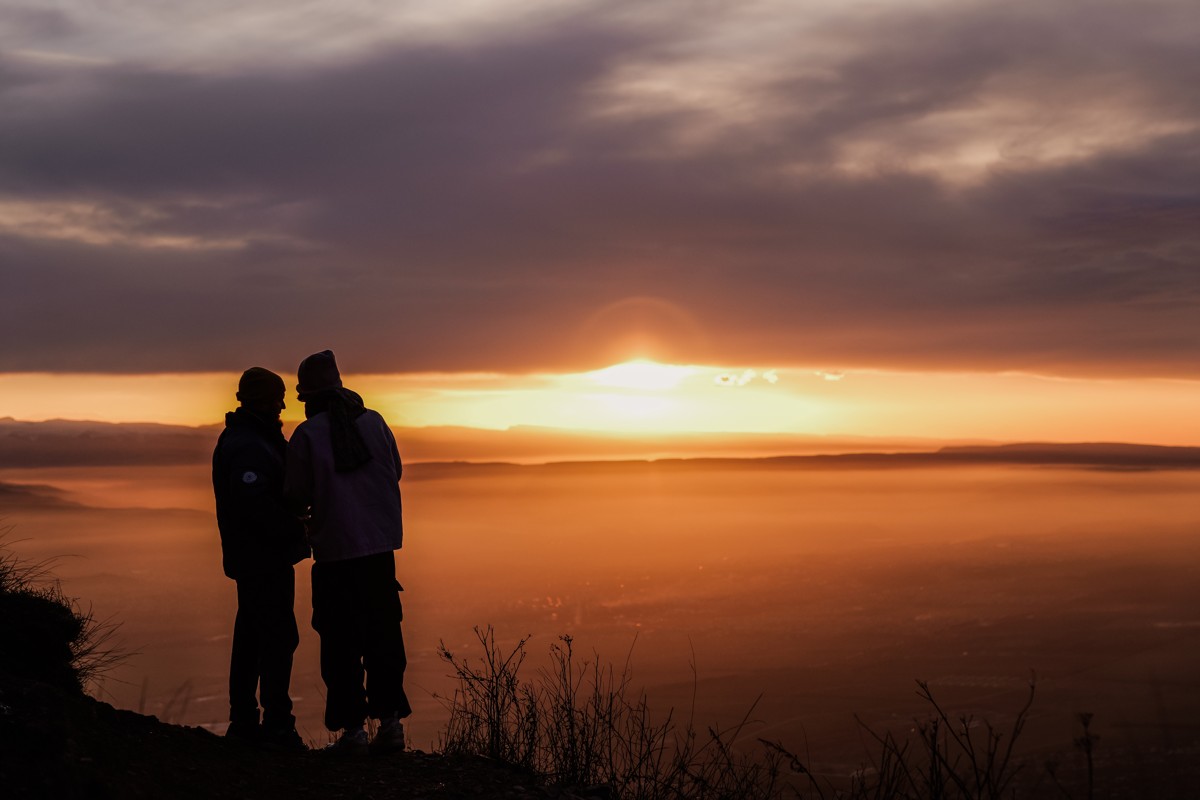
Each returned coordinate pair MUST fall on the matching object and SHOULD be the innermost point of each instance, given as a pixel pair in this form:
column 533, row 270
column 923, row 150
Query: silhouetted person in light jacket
column 343, row 467
column 261, row 541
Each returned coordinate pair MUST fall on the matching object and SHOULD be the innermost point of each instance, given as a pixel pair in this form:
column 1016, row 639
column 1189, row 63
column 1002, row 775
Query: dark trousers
column 264, row 639
column 357, row 612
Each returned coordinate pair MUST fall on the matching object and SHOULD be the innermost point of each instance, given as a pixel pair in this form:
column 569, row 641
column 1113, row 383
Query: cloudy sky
column 516, row 187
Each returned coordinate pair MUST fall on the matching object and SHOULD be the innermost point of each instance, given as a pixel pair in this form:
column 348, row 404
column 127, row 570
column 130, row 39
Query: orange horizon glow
column 644, row 396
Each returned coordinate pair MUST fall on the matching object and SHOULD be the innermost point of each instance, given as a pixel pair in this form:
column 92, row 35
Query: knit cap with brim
column 317, row 373
column 259, row 385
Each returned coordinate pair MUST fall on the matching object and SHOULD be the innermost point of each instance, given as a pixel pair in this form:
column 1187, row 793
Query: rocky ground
column 63, row 746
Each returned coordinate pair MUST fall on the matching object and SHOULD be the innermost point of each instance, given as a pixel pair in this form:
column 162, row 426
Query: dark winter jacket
column 258, row 532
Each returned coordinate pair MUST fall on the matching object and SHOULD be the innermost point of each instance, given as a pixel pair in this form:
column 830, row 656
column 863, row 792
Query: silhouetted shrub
column 44, row 635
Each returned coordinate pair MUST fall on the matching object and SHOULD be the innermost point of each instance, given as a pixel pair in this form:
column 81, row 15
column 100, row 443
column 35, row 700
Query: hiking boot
column 286, row 739
column 389, row 738
column 243, row 731
column 352, row 742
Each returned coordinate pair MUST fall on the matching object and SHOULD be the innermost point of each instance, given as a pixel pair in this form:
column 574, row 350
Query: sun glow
column 641, row 374
column 637, row 396
column 634, row 407
column 648, row 397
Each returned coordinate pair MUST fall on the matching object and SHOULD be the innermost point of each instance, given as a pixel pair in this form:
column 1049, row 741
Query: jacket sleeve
column 395, row 451
column 298, row 477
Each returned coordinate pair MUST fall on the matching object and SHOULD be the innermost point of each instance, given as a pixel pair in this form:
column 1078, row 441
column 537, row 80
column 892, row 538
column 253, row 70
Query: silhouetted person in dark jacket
column 261, row 541
column 343, row 466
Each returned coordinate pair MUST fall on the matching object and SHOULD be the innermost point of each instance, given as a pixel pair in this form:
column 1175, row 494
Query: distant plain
column 817, row 593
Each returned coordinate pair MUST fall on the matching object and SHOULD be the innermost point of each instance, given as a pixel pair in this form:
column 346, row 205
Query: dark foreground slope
column 56, row 744
column 60, row 744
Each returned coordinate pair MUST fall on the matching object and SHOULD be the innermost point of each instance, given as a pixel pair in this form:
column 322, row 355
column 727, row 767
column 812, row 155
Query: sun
column 641, row 375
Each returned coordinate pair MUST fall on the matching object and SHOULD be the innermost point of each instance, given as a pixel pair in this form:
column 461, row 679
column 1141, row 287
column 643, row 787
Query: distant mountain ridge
column 1085, row 455
column 58, row 443
column 1088, row 452
column 61, row 443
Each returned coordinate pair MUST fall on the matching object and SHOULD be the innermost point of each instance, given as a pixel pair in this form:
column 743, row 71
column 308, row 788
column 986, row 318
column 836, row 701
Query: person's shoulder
column 313, row 423
column 375, row 417
column 251, row 439
column 246, row 449
column 308, row 432
column 376, row 420
column 236, row 436
column 221, row 446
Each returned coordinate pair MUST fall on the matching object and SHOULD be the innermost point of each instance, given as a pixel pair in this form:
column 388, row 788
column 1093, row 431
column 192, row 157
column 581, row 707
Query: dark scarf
column 344, row 407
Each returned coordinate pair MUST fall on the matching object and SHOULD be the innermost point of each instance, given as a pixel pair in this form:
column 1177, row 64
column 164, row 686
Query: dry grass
column 580, row 723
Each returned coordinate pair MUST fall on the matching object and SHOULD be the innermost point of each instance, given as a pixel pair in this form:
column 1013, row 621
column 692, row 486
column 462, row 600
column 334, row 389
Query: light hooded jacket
column 354, row 513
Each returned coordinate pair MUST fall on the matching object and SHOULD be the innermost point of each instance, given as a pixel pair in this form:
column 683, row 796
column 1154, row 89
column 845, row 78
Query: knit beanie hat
column 317, row 373
column 260, row 385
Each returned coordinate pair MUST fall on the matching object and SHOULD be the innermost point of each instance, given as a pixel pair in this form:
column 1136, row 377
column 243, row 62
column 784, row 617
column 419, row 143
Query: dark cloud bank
column 465, row 207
